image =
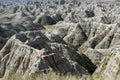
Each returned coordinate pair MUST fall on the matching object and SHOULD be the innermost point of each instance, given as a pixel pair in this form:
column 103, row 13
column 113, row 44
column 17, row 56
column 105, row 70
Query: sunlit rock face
column 80, row 37
column 109, row 68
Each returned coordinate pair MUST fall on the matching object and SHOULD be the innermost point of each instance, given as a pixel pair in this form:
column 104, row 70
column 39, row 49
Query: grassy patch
column 47, row 27
column 49, row 76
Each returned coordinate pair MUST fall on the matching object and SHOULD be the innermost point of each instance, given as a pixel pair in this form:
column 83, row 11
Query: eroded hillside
column 76, row 37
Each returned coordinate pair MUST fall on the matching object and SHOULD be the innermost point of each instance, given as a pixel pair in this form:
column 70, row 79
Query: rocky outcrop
column 45, row 19
column 86, row 35
column 63, row 36
column 34, row 53
column 57, row 17
column 109, row 68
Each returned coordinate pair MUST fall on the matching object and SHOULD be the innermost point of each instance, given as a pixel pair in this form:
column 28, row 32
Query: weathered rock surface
column 66, row 36
column 33, row 53
column 45, row 19
column 109, row 68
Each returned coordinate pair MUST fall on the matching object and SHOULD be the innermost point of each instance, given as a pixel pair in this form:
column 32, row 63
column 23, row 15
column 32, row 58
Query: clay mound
column 33, row 53
column 88, row 35
column 45, row 20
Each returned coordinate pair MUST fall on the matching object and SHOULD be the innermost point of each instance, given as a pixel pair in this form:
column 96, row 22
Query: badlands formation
column 80, row 37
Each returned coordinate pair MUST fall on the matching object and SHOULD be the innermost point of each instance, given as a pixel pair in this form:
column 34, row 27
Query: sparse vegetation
column 54, row 76
column 49, row 76
column 47, row 27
